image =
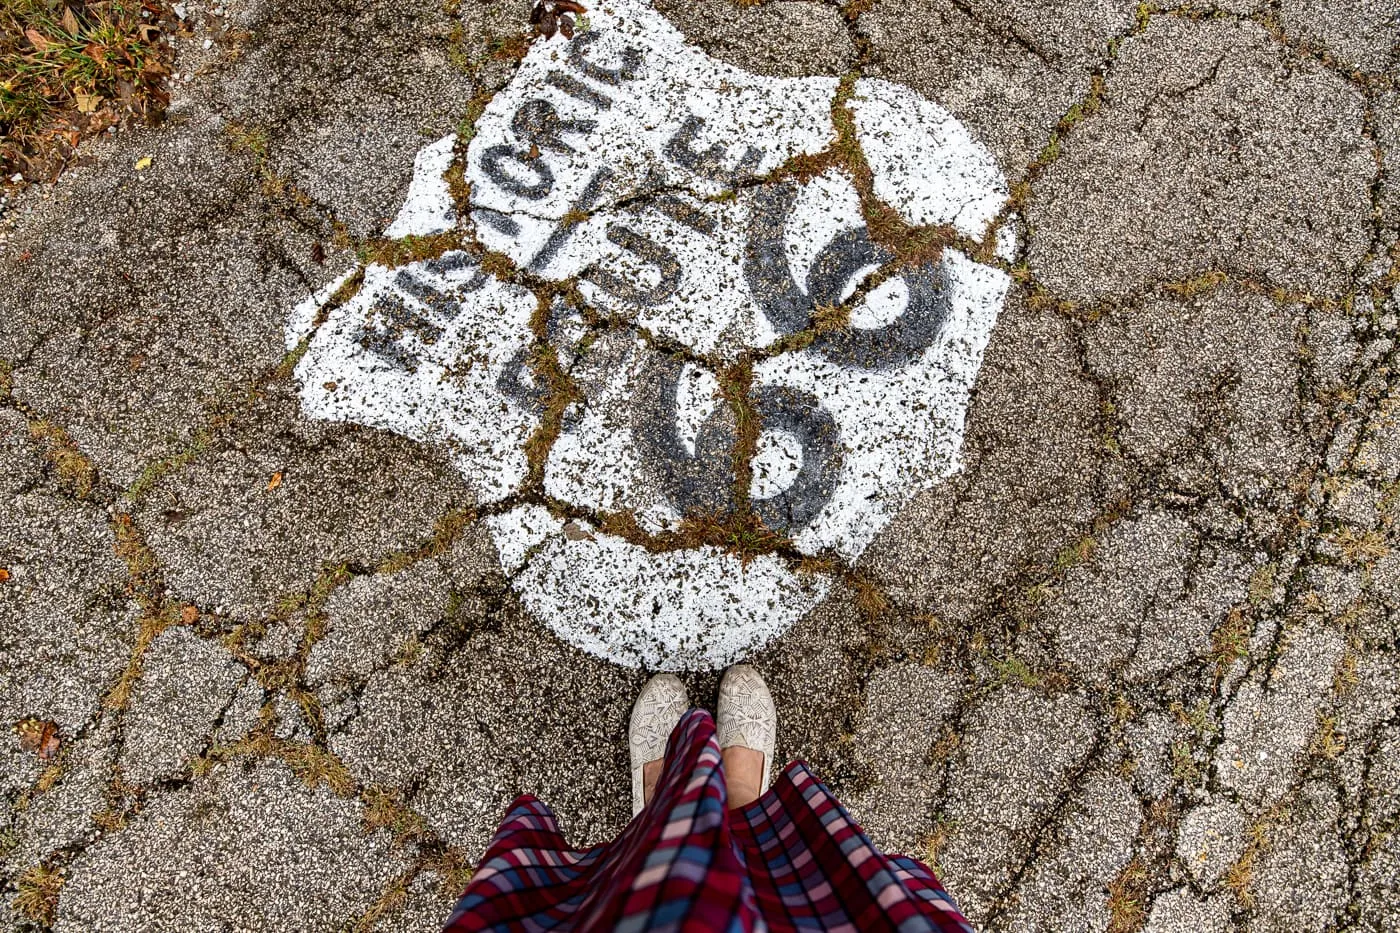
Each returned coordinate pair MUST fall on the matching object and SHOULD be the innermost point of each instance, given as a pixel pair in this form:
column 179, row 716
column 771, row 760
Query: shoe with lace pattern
column 747, row 717
column 661, row 704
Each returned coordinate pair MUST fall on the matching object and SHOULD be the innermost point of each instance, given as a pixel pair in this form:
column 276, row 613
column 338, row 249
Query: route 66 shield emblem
column 655, row 324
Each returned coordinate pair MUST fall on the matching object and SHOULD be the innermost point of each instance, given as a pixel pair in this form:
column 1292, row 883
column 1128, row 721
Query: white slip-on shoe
column 661, row 704
column 746, row 716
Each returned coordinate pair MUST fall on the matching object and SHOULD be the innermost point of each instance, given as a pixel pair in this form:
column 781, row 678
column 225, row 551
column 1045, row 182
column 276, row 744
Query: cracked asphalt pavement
column 1133, row 665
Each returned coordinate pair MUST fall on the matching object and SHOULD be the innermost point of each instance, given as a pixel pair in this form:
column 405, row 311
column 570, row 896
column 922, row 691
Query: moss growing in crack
column 559, row 393
column 1360, row 547
column 823, row 565
column 411, row 248
column 144, row 584
column 508, row 48
column 802, row 167
column 1011, row 669
column 454, row 866
column 1184, row 767
column 937, row 840
column 466, row 127
column 1201, row 284
column 1239, row 877
column 1075, row 554
column 573, row 217
column 736, row 387
column 458, row 188
column 1039, row 298
column 1327, row 741
column 396, row 561
column 251, row 139
column 152, row 473
column 392, row 898
column 911, row 245
column 331, row 578
column 275, row 676
column 1108, row 414
column 75, row 471
column 1261, row 585
column 499, row 265
column 254, row 141
column 1197, row 718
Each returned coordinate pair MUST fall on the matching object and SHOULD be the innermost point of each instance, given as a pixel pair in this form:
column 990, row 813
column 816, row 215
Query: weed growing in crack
column 937, row 840
column 384, row 808
column 742, row 534
column 1229, row 642
column 1239, row 877
column 1127, row 898
column 38, row 890
column 1327, row 741
column 1361, row 547
column 393, row 897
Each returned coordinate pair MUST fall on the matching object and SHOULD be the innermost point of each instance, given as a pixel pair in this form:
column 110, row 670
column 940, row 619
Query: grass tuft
column 39, row 887
column 68, row 71
column 1127, row 898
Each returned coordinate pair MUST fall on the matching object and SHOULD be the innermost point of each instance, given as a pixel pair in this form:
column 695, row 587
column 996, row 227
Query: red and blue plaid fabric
column 792, row 860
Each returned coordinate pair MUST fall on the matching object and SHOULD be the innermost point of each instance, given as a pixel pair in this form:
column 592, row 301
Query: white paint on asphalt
column 632, row 161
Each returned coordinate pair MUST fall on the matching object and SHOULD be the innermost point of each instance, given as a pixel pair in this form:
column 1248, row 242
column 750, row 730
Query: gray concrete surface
column 1134, row 667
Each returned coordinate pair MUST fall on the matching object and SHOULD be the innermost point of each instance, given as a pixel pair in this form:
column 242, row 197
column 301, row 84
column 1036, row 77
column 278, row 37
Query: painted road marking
column 637, row 167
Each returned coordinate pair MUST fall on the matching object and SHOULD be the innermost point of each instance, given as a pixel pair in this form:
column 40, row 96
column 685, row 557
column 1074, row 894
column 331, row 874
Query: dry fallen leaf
column 330, row 386
column 4, row 575
column 189, row 615
column 144, row 163
column 87, row 103
column 36, row 39
column 550, row 16
column 576, row 532
column 275, row 481
column 70, row 22
column 38, row 736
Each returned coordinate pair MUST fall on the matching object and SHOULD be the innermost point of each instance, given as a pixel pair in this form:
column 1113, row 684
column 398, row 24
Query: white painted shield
column 633, row 163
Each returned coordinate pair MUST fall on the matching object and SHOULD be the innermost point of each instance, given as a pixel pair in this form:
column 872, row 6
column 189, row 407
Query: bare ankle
column 743, row 771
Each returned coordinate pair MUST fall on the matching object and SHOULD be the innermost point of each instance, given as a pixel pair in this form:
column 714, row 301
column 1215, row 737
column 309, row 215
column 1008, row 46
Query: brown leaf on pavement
column 39, row 736
column 576, row 532
column 189, row 615
column 275, row 481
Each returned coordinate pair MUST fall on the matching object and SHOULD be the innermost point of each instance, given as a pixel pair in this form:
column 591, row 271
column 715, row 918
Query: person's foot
column 659, row 707
column 746, row 724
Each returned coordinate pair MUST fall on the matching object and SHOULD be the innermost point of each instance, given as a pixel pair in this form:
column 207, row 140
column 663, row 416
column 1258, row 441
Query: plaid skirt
column 791, row 860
